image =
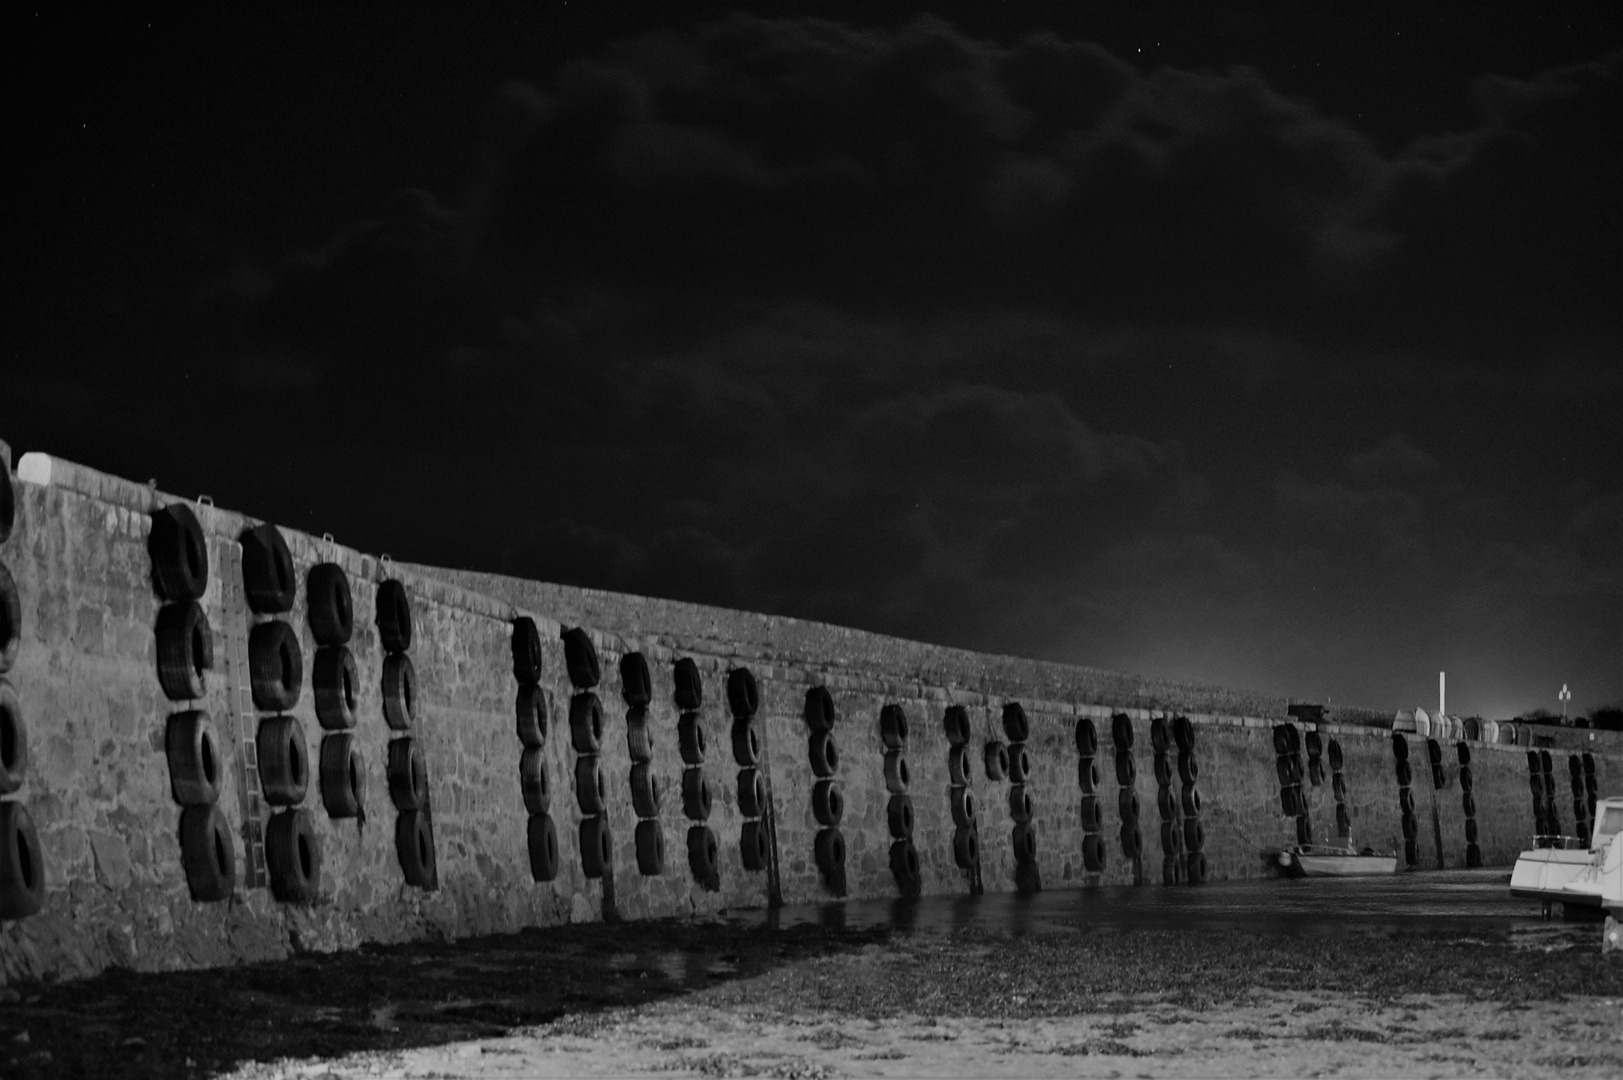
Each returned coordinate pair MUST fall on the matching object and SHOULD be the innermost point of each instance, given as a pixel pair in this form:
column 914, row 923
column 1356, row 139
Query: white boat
column 1317, row 860
column 1573, row 872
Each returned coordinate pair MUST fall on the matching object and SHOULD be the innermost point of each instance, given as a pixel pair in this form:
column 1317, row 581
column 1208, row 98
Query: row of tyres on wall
column 22, row 863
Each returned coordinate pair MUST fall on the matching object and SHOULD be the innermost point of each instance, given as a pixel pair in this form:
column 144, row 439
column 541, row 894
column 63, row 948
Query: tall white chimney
column 1442, row 694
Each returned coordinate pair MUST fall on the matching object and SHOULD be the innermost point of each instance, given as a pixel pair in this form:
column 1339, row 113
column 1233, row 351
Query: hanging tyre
column 1021, row 804
column 966, row 847
column 1282, row 741
column 1409, row 825
column 1343, row 820
column 1121, row 731
column 696, row 795
column 1411, row 852
column 1188, row 768
column 13, row 739
column 689, row 687
column 1092, row 813
column 185, row 647
column 531, row 711
column 1163, row 769
column 962, row 800
column 904, row 867
column 1019, row 763
column 829, row 850
column 636, row 684
column 1463, row 751
column 393, row 610
column 1404, row 775
column 268, row 580
column 754, row 846
column 293, row 856
column 275, row 666
column 1087, row 775
column 1132, row 841
column 1190, row 798
column 332, row 608
column 743, row 694
column 535, row 781
column 180, row 557
column 650, row 841
column 207, row 855
column 591, row 790
column 334, row 681
column 639, row 736
column 955, row 722
column 284, row 769
column 1470, row 831
column 703, row 851
column 1406, row 801
column 893, row 727
column 1400, row 747
column 1473, row 856
column 408, row 775
column 1158, row 735
column 193, row 751
column 1195, row 864
column 343, row 776
column 822, row 754
column 1467, row 782
column 1127, row 804
column 585, row 723
column 22, row 864
column 828, row 803
column 1126, row 768
column 596, row 847
column 752, row 797
column 11, row 620
column 541, row 842
column 414, row 849
column 959, row 768
column 690, row 738
column 899, row 817
column 1290, row 800
column 526, row 648
column 1166, row 804
column 746, row 743
column 1087, row 738
column 1288, row 770
column 1304, row 830
column 646, row 793
column 1093, row 853
column 1183, row 734
column 399, row 691
column 580, row 658
column 896, row 773
column 996, row 761
column 1016, row 727
column 1338, row 787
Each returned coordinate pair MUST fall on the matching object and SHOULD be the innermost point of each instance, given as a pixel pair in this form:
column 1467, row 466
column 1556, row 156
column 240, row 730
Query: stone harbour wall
column 105, row 878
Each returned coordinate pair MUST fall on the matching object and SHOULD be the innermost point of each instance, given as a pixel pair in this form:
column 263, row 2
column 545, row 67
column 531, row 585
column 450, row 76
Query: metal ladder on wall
column 243, row 720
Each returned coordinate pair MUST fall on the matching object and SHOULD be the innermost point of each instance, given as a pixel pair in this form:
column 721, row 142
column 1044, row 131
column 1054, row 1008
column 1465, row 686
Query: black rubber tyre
column 703, row 852
column 893, row 727
column 1087, row 737
column 275, row 666
column 1315, row 772
column 1343, row 820
column 1016, row 727
column 1127, row 804
column 1473, row 856
column 828, row 848
column 1532, row 762
column 1313, row 743
column 1093, row 853
column 394, row 616
column 1132, row 841
column 1434, row 751
column 185, row 647
column 697, row 797
column 966, row 847
column 585, row 723
column 962, row 802
column 1163, row 769
column 899, row 817
column 1411, row 852
column 580, row 658
column 1021, row 804
column 1439, row 778
column 752, row 793
column 332, row 608
column 1170, row 834
column 414, row 849
column 179, row 554
column 1400, row 747
column 1588, row 761
column 1288, row 770
column 1159, row 736
column 8, row 505
column 1188, row 767
column 955, row 722
column 1190, row 798
column 596, row 846
column 960, row 766
column 904, row 867
column 1282, row 741
column 293, row 856
column 822, row 754
column 1470, row 831
column 193, row 751
column 268, row 580
column 746, row 743
column 1092, row 813
column 639, row 736
column 535, row 781
column 1019, row 763
column 343, row 776
column 754, row 846
column 828, row 803
column 532, row 715
column 650, row 841
column 1121, row 731
column 526, row 646
column 1404, row 774
column 689, row 687
column 1087, row 775
column 996, row 761
column 1338, row 787
column 646, row 790
column 1169, row 869
column 284, row 767
column 1333, row 753
column 1195, row 867
column 1463, row 752
column 408, row 775
column 1183, row 734
column 11, row 620
column 334, row 682
column 1544, row 761
column 22, row 863
column 591, row 787
column 1294, row 734
column 1304, row 830
column 743, row 694
column 819, row 712
column 1468, row 804
column 541, row 842
column 13, row 740
column 1290, row 800
column 1126, row 768
column 1166, row 803
column 896, row 773
column 690, row 738
column 399, row 691
column 1409, row 825
column 208, row 855
column 636, row 684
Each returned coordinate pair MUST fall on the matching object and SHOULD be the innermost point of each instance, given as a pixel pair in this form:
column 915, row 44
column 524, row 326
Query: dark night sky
column 1249, row 343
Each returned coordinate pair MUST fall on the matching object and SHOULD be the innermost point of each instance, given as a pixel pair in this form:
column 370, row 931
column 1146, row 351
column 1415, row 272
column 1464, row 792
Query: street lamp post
column 1565, row 695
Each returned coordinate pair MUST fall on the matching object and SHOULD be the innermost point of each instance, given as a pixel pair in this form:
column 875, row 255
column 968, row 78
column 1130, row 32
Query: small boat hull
column 1547, row 873
column 1297, row 862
